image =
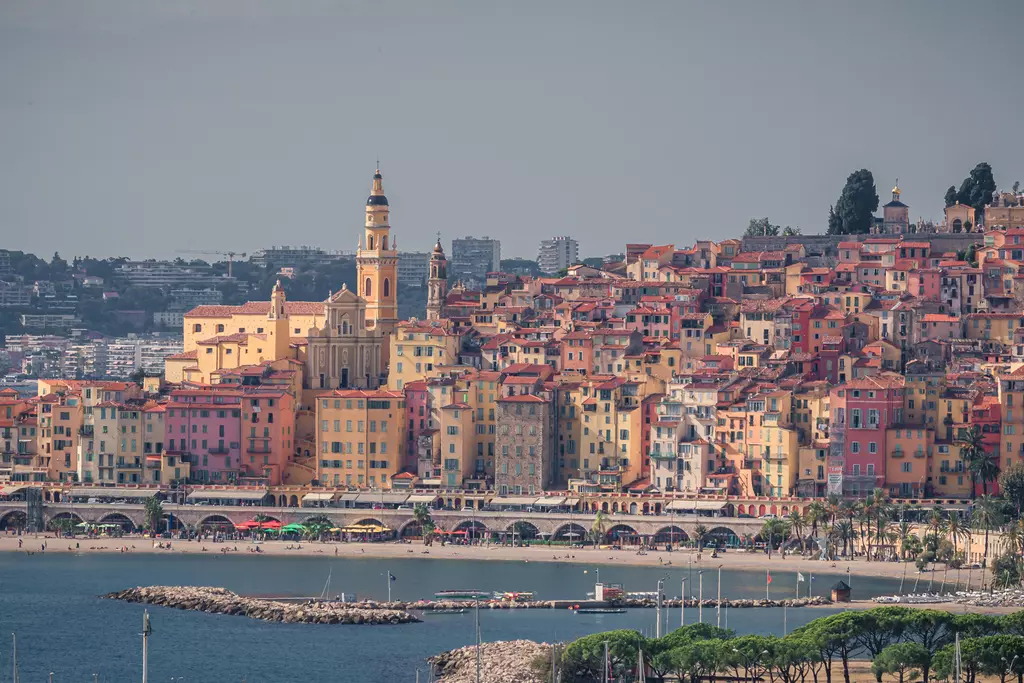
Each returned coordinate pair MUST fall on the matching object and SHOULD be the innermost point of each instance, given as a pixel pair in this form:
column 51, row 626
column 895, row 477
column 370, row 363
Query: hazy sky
column 140, row 127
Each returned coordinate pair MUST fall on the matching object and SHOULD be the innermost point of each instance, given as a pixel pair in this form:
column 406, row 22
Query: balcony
column 898, row 454
column 219, row 450
column 86, row 430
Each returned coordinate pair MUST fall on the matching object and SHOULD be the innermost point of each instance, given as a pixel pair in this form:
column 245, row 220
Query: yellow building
column 360, row 437
column 779, row 441
column 419, row 349
column 998, row 327
column 59, row 429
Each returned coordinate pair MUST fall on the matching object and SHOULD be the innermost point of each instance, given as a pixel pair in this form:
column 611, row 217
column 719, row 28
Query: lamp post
column 657, row 608
column 718, row 601
column 700, row 596
column 682, row 603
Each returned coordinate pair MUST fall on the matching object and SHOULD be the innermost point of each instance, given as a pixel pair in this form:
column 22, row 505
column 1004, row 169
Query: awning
column 348, row 497
column 8, row 490
column 388, row 498
column 422, row 498
column 549, row 502
column 113, row 492
column 318, row 497
column 227, row 495
column 695, row 505
column 514, row 500
column 572, row 502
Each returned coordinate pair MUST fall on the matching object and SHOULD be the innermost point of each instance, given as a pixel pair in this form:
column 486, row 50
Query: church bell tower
column 377, row 263
column 437, row 283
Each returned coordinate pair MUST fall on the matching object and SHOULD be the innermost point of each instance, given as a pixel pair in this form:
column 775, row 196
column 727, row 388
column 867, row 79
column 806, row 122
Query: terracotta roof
column 256, row 308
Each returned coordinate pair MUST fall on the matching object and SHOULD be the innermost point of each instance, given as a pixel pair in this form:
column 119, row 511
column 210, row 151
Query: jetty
column 222, row 601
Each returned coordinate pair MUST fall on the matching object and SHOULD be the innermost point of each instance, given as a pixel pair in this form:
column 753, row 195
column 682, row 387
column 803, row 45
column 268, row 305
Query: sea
column 52, row 603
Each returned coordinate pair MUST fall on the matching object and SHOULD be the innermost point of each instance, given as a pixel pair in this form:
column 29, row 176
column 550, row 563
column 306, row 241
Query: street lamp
column 682, row 603
column 657, row 608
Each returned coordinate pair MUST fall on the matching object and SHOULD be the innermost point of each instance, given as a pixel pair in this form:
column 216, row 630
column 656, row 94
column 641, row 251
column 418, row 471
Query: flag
column 769, row 573
column 392, row 577
column 799, row 577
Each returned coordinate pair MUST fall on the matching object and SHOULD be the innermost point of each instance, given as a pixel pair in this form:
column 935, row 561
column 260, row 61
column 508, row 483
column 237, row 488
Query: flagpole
column 718, row 602
column 798, row 585
column 389, row 585
column 767, row 582
column 810, row 586
column 700, row 596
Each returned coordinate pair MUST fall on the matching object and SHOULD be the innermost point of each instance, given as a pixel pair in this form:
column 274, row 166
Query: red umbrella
column 272, row 524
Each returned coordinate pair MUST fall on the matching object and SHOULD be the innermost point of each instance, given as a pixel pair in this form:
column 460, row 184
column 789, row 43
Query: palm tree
column 421, row 513
column 816, row 514
column 843, row 531
column 957, row 530
column 863, row 517
column 796, row 526
column 154, row 514
column 260, row 520
column 987, row 515
column 985, row 468
column 599, row 527
column 977, row 461
column 700, row 532
column 772, row 529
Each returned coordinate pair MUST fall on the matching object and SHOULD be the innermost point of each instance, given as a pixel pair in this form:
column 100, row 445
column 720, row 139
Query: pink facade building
column 865, row 409
column 205, row 427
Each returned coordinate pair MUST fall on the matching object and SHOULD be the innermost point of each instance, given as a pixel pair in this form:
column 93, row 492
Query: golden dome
column 895, row 189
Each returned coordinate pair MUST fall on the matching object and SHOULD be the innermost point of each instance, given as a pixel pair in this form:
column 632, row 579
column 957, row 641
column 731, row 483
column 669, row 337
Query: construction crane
column 230, row 254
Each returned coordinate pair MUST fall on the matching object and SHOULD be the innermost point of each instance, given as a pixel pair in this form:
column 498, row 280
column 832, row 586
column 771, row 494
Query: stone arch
column 14, row 519
column 633, row 507
column 293, row 501
column 761, row 510
column 123, row 521
column 622, row 532
column 57, row 519
column 615, row 507
column 387, row 286
column 741, row 509
column 215, row 520
column 958, row 225
column 604, row 507
column 171, row 523
column 370, row 521
column 670, row 534
column 282, row 500
column 774, row 509
column 785, row 510
column 524, row 530
column 657, row 508
column 646, row 508
column 368, row 286
column 411, row 529
column 473, row 528
column 571, row 532
column 723, row 535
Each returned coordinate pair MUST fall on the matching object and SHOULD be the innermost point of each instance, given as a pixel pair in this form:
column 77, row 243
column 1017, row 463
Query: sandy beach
column 733, row 559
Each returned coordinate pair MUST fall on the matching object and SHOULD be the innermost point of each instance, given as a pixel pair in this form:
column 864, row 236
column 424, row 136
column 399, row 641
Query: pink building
column 268, row 433
column 862, row 410
column 924, row 283
column 204, row 425
column 417, row 402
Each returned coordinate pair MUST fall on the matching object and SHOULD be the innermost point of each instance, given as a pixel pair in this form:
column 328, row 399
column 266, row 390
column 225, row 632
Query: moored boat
column 462, row 595
column 600, row 610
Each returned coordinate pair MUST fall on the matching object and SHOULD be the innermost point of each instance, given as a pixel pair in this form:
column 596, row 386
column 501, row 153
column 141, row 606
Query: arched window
column 384, row 242
column 369, row 242
column 368, row 287
column 387, row 287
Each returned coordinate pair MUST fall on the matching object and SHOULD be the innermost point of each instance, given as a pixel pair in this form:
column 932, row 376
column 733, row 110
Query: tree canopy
column 857, row 204
column 977, row 188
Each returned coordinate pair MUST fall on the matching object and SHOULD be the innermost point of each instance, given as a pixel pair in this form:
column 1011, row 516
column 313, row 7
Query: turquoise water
column 51, row 602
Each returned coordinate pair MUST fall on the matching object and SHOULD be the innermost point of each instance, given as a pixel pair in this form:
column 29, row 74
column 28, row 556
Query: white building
column 474, row 257
column 558, row 253
column 413, row 267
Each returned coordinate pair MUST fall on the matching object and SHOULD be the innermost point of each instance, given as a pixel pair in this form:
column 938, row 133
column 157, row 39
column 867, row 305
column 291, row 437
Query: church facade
column 342, row 342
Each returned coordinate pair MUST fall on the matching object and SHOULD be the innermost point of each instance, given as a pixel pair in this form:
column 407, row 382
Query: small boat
column 514, row 596
column 600, row 610
column 462, row 595
column 444, row 611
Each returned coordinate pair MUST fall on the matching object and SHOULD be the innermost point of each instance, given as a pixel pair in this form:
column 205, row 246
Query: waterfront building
column 557, row 253
column 360, row 437
column 203, row 427
column 422, row 349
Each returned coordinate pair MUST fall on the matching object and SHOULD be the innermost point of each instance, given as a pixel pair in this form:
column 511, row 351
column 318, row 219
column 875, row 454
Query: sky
column 143, row 127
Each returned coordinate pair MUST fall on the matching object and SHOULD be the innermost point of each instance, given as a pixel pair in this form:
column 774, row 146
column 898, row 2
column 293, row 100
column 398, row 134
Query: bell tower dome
column 377, row 262
column 437, row 283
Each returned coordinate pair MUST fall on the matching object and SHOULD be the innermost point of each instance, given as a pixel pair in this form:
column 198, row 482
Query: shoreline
column 731, row 560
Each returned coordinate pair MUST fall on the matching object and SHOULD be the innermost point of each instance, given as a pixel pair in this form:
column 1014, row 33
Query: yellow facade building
column 361, row 437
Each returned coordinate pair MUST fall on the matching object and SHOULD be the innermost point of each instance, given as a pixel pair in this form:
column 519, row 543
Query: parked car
column 769, row 516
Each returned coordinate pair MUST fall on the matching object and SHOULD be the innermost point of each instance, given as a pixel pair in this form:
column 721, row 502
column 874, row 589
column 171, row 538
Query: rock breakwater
column 512, row 661
column 222, row 601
